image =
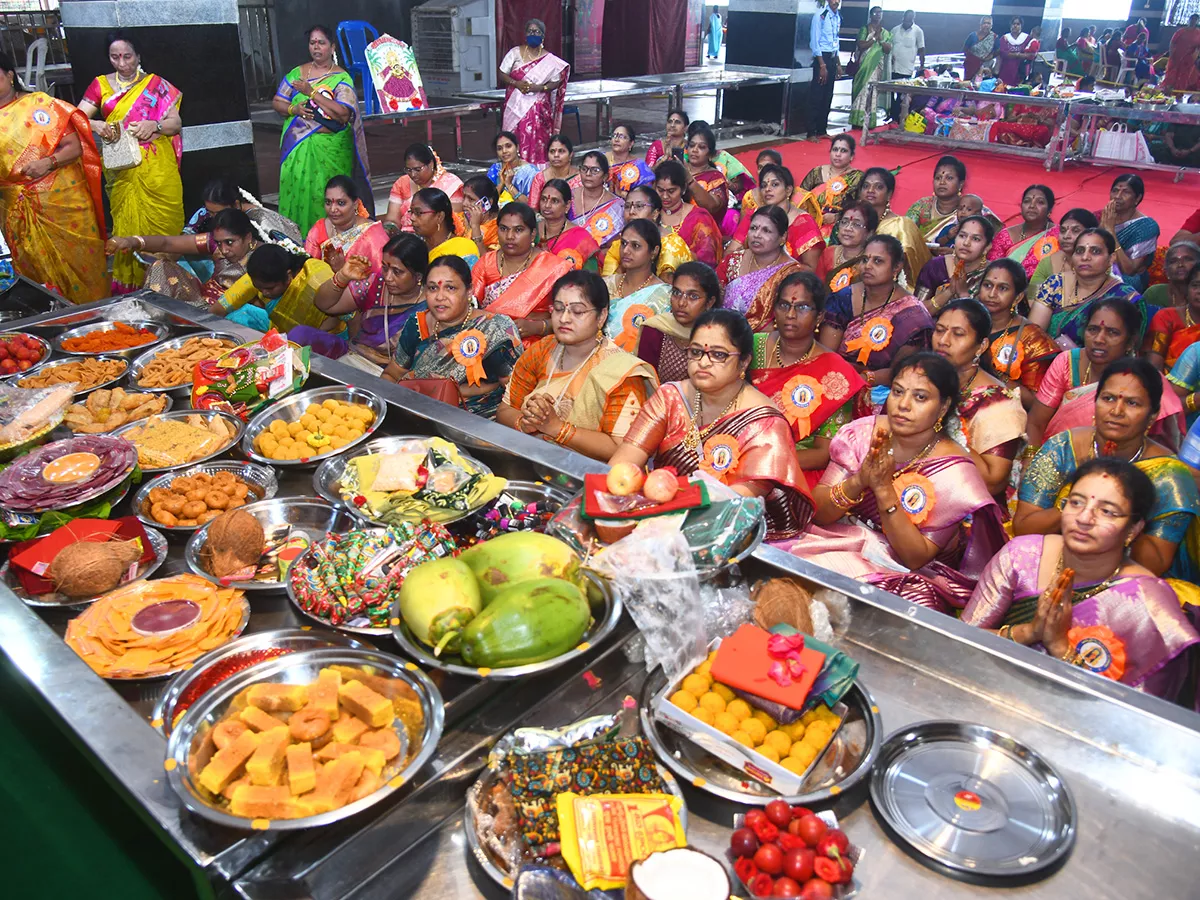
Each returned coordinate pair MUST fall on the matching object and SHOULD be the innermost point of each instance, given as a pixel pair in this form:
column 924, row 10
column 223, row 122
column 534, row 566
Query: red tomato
column 24, row 365
column 779, row 813
column 785, row 887
column 794, row 827
column 35, row 354
column 833, row 838
column 827, row 869
column 755, row 817
column 743, row 843
column 816, row 889
column 8, row 365
column 798, row 864
column 769, row 859
column 812, row 829
column 799, row 812
column 4, row 352
column 22, row 352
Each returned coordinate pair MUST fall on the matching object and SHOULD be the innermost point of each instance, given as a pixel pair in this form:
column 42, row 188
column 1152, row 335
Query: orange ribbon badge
column 800, row 398
column 720, row 456
column 875, row 337
column 1009, row 356
column 631, row 326
column 916, row 496
column 469, row 350
column 1099, row 650
column 842, row 279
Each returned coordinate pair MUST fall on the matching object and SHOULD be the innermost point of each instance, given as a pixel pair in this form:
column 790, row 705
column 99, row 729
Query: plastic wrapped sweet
column 26, row 413
column 66, row 473
column 249, row 377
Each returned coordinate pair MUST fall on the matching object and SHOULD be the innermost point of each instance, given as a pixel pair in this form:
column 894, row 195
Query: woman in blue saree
column 1136, row 234
column 323, row 134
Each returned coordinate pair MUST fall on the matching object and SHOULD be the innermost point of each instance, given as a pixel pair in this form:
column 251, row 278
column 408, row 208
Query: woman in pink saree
column 536, row 80
column 1079, row 597
column 895, row 500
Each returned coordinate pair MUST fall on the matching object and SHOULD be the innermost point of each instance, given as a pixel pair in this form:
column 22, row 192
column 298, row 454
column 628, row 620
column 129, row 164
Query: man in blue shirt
column 823, row 41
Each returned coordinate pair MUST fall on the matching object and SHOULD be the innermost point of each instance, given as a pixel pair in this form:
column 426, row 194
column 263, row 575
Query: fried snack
column 107, row 410
column 162, row 443
column 84, row 373
column 119, row 337
column 281, row 773
column 105, row 638
column 217, row 493
column 173, row 368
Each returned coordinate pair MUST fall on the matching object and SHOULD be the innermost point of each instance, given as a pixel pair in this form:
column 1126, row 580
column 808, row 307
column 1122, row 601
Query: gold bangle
column 1190, row 402
column 1005, row 632
column 565, row 434
column 141, row 241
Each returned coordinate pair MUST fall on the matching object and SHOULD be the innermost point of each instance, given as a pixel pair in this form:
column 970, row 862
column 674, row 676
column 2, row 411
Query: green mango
column 527, row 623
column 437, row 600
column 517, row 557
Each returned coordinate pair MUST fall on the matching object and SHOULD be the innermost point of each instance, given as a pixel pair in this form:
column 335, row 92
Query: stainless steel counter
column 1132, row 761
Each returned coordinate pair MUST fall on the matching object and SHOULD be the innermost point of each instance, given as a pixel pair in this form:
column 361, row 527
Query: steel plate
column 59, row 361
column 161, row 330
column 40, row 341
column 292, row 408
column 972, row 802
column 847, row 761
column 238, row 425
column 190, row 747
column 257, row 476
column 181, row 390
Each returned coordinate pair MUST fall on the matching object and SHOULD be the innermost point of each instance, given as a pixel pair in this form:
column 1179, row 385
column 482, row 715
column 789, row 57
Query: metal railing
column 260, row 54
column 20, row 29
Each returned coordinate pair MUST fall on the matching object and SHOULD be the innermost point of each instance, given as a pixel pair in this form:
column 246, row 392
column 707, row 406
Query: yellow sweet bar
column 373, row 758
column 348, row 729
column 260, row 720
column 334, row 784
column 227, row 764
column 262, row 802
column 373, row 708
column 278, row 697
column 266, row 765
column 368, row 783
column 323, row 693
column 302, row 773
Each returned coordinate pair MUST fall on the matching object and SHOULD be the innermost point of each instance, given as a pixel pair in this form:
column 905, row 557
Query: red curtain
column 668, row 36
column 511, row 16
column 643, row 38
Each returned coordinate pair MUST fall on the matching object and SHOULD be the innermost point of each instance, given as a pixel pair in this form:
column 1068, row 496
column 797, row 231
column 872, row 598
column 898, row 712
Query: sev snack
column 173, row 368
column 133, row 632
column 172, row 442
column 106, row 410
column 86, row 373
column 119, row 337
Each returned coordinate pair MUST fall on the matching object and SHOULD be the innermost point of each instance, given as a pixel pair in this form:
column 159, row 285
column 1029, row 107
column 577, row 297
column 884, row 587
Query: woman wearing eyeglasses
column 432, row 217
column 559, row 235
column 625, row 170
column 695, row 225
column 636, row 293
column 841, row 264
column 813, row 386
column 595, row 207
column 422, row 169
column 576, row 387
column 643, row 203
column 665, row 337
column 751, row 277
column 1115, row 617
column 714, row 421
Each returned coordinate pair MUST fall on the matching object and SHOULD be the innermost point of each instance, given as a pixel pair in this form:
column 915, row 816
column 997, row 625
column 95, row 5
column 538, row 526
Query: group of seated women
column 947, row 407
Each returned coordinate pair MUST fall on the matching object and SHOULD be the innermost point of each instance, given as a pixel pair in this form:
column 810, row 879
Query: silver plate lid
column 973, row 802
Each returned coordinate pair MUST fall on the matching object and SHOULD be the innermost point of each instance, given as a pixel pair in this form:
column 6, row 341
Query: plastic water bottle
column 1190, row 452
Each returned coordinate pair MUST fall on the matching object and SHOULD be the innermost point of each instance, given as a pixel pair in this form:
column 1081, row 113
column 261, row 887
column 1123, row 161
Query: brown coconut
column 674, row 874
column 235, row 541
column 88, row 568
column 782, row 601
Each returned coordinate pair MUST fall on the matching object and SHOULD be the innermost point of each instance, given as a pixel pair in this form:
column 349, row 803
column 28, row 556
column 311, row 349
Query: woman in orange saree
column 50, row 202
column 515, row 280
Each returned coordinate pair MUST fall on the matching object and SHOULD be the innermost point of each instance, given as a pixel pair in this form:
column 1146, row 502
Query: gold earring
column 940, row 422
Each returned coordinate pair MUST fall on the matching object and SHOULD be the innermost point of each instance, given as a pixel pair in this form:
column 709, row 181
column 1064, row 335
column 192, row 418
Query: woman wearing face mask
column 1036, row 237
column 228, row 243
column 878, row 186
column 1136, row 233
column 347, row 229
column 422, row 169
column 1073, row 223
column 433, row 221
column 1063, row 301
column 318, row 102
column 1115, row 617
column 559, row 235
column 1020, row 351
column 751, row 277
column 803, row 236
column 559, row 153
column 914, row 487
column 665, row 336
column 715, row 422
column 841, row 263
column 147, row 198
column 813, row 386
column 481, row 207
column 946, row 278
column 625, row 171
column 277, row 291
column 636, row 293
column 594, row 206
column 835, row 184
column 1127, row 402
column 536, row 82
column 381, row 303
column 1176, row 325
column 576, row 387
column 693, row 223
column 511, row 173
column 438, row 336
column 644, row 203
column 516, row 280
column 989, row 422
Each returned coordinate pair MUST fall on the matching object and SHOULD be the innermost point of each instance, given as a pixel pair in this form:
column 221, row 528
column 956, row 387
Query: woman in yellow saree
column 50, row 204
column 147, row 198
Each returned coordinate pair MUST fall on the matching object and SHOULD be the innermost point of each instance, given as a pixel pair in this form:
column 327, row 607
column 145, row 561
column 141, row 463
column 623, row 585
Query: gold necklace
column 1077, row 596
column 695, row 434
column 621, row 284
column 804, row 358
column 912, row 463
column 524, row 265
column 756, row 264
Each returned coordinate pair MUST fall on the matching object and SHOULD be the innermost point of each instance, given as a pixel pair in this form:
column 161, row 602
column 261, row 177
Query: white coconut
column 682, row 872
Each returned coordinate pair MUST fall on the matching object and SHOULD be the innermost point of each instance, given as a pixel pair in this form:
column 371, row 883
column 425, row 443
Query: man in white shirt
column 908, row 41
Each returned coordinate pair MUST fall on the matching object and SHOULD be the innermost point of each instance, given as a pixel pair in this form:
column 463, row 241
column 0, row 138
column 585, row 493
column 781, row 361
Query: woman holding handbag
column 137, row 126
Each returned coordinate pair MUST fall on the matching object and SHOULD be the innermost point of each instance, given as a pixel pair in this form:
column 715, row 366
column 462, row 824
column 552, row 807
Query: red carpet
column 1000, row 180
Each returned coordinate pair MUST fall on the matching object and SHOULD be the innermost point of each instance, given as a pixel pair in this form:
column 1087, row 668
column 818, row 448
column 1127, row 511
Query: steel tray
column 15, row 379
column 238, row 428
column 161, row 330
column 292, row 408
column 181, row 390
column 256, row 476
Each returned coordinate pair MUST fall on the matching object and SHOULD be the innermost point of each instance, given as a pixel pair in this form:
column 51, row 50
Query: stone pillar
column 194, row 45
column 770, row 36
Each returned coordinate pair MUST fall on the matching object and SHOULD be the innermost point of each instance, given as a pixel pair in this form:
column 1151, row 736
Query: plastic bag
column 250, row 376
column 28, row 412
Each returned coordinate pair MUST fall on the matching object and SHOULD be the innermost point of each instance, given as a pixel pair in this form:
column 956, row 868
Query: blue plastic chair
column 574, row 111
column 352, row 35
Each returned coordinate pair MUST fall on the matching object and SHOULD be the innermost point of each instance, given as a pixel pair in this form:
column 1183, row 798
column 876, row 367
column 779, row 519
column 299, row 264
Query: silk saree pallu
column 534, row 117
column 627, row 315
column 1028, row 252
column 517, row 296
column 753, row 294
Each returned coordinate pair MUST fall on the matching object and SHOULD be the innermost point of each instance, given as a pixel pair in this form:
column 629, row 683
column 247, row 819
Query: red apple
column 661, row 486
column 625, row 479
column 743, row 843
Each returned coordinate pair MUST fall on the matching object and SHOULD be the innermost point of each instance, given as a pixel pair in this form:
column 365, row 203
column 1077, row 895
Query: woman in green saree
column 874, row 51
column 323, row 135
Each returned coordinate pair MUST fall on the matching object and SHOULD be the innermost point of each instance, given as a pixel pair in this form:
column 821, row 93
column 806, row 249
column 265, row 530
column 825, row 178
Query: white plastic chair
column 35, row 66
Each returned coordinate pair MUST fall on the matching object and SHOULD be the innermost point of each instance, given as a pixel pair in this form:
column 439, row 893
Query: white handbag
column 123, row 153
column 1117, row 142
